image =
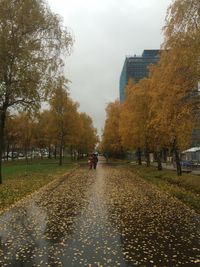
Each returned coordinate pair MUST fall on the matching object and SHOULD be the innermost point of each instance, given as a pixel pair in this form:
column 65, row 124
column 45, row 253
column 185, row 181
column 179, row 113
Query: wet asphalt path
column 107, row 217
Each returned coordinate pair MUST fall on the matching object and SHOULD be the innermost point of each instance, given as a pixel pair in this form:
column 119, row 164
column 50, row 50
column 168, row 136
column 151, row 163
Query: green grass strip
column 21, row 179
column 186, row 187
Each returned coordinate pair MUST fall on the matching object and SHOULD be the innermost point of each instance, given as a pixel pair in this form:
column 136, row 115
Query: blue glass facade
column 136, row 68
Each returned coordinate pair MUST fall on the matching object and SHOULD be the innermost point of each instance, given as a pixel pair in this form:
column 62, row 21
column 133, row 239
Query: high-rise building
column 136, row 68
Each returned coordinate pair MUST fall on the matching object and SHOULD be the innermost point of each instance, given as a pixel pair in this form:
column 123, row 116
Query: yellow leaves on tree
column 20, row 131
column 135, row 116
column 182, row 35
column 171, row 103
column 70, row 128
column 64, row 115
column 32, row 39
column 111, row 140
column 86, row 134
column 162, row 110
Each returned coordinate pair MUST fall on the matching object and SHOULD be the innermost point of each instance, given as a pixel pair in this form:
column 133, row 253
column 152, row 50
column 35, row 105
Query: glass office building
column 136, row 68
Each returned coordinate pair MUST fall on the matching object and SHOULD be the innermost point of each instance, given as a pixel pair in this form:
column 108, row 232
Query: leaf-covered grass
column 186, row 187
column 21, row 179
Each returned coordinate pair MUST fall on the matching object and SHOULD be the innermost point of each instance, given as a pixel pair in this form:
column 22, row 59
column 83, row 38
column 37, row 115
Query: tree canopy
column 163, row 109
column 32, row 41
column 111, row 140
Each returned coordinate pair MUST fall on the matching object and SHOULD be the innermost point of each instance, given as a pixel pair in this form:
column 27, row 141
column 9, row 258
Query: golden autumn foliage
column 135, row 130
column 183, row 24
column 172, row 103
column 63, row 114
column 32, row 39
column 179, row 74
column 44, row 136
column 111, row 140
column 70, row 127
column 58, row 129
column 20, row 133
column 135, row 115
column 86, row 135
column 163, row 109
column 182, row 35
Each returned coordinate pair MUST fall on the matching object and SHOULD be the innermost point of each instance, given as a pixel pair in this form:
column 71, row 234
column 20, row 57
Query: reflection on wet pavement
column 107, row 217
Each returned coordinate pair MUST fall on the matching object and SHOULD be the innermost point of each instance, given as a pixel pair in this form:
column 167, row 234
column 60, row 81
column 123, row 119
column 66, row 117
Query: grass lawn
column 186, row 187
column 21, row 179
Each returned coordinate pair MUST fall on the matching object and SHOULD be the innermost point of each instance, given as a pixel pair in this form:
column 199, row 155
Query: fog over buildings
column 105, row 32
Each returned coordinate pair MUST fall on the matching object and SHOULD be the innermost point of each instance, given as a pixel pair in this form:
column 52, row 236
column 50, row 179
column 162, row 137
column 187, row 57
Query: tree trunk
column 2, row 126
column 61, row 152
column 148, row 159
column 122, row 152
column 178, row 164
column 147, row 156
column 158, row 156
column 71, row 152
column 31, row 153
column 165, row 152
column 26, row 154
column 55, row 152
column 139, row 156
column 7, row 151
column 49, row 150
column 41, row 155
column 177, row 159
column 13, row 147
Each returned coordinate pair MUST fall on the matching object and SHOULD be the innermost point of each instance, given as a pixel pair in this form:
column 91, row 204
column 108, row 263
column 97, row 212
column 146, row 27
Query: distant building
column 136, row 68
column 191, row 154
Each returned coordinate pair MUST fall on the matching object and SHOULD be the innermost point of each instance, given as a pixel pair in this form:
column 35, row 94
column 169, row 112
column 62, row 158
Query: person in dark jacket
column 95, row 161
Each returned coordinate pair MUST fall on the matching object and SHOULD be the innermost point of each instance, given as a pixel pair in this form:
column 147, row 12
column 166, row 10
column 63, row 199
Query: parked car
column 13, row 154
column 185, row 163
column 21, row 154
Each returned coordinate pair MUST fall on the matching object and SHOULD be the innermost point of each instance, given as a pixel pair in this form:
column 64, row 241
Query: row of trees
column 33, row 44
column 162, row 110
column 54, row 129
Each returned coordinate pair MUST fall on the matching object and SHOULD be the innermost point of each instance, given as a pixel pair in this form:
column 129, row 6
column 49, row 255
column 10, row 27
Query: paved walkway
column 107, row 217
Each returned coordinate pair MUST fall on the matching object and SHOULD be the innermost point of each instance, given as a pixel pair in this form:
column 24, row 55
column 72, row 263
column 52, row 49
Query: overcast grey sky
column 105, row 31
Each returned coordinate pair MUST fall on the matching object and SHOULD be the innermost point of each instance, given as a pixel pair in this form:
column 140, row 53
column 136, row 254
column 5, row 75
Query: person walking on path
column 95, row 160
column 90, row 161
